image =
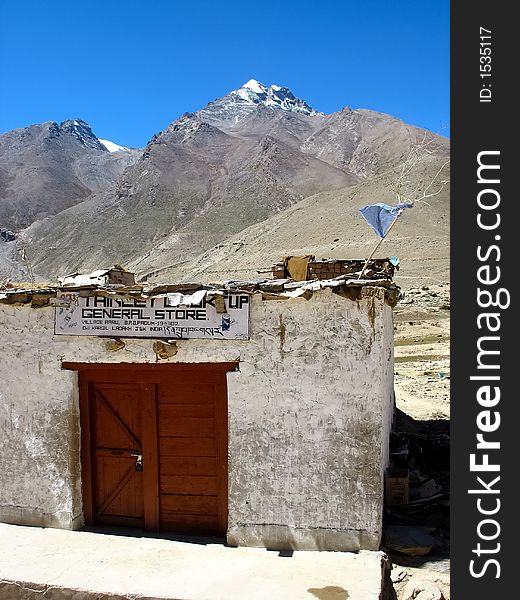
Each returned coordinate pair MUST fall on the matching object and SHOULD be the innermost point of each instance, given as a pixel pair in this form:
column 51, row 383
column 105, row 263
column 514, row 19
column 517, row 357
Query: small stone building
column 259, row 412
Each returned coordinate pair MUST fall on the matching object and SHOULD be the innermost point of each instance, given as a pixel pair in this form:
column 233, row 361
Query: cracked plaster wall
column 309, row 417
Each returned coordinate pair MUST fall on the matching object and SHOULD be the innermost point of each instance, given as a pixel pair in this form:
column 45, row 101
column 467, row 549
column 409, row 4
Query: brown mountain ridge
column 229, row 189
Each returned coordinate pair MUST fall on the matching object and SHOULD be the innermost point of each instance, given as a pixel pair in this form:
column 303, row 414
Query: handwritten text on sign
column 154, row 317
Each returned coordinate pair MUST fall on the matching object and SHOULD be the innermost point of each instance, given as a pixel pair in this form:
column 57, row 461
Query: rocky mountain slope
column 328, row 225
column 49, row 167
column 259, row 170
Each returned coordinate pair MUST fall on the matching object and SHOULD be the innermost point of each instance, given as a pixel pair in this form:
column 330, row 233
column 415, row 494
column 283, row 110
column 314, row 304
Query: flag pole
column 377, row 246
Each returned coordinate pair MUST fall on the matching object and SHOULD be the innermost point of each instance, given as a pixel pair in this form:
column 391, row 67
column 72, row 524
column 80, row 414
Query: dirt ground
column 422, row 352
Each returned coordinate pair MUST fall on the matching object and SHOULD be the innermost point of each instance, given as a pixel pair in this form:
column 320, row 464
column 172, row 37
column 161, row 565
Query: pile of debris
column 118, row 281
column 416, row 529
column 417, row 491
column 307, row 268
column 412, row 584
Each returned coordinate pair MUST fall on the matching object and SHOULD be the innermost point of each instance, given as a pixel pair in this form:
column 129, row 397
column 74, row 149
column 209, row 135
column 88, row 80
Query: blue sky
column 131, row 67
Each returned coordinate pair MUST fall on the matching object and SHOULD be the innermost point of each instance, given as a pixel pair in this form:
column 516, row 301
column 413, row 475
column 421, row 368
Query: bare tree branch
column 415, row 156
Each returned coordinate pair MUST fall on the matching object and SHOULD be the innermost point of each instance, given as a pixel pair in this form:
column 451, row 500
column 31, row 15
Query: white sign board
column 174, row 316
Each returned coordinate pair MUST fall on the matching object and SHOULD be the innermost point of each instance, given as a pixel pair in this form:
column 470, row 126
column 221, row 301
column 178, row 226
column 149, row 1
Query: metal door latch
column 138, row 461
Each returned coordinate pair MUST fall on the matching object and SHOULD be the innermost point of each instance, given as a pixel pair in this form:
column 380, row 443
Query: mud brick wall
column 309, row 412
column 328, row 269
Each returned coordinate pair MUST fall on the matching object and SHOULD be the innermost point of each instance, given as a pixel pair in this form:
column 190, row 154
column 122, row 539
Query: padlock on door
column 138, row 461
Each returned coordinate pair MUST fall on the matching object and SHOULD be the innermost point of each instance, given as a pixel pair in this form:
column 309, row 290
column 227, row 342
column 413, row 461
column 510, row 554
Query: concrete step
column 53, row 564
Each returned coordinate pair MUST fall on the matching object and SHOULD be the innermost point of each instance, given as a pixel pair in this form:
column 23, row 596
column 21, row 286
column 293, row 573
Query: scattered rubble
column 415, row 584
column 117, row 281
column 417, row 533
column 308, row 267
column 418, row 589
column 434, row 296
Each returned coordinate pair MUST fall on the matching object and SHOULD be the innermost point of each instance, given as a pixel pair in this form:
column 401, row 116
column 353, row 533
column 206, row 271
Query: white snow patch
column 255, row 86
column 245, row 95
column 111, row 147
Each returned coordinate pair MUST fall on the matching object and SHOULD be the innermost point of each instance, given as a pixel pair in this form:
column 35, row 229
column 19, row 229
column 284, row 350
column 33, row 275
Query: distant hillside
column 328, row 225
column 254, row 175
column 49, row 167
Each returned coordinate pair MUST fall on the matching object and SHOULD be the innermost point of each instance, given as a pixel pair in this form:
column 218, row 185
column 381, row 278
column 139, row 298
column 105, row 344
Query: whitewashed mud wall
column 309, row 417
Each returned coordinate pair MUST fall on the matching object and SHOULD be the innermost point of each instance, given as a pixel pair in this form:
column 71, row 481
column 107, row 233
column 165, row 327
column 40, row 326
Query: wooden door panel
column 193, row 455
column 119, row 490
column 176, row 411
column 190, row 505
column 190, row 524
column 185, row 426
column 188, row 465
column 187, row 484
column 116, row 442
column 187, row 446
column 186, row 393
column 117, row 411
column 177, row 421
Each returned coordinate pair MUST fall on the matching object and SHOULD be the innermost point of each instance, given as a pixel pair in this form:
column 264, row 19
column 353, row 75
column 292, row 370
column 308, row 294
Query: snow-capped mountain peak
column 239, row 104
column 275, row 96
column 255, row 86
column 252, row 92
column 111, row 147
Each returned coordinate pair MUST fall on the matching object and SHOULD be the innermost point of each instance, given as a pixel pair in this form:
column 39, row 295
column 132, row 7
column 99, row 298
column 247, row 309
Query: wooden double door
column 154, row 446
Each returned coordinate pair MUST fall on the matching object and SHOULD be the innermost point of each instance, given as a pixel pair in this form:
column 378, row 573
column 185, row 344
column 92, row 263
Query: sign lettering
column 124, row 317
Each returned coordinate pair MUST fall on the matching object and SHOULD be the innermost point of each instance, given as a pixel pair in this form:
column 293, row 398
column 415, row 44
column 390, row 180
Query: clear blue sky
column 131, row 67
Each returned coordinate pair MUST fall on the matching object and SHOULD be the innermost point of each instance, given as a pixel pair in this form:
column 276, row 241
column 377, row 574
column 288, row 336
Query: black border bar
column 485, row 355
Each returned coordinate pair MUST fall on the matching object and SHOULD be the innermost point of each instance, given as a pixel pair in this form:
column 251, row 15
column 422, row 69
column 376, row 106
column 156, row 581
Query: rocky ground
column 422, row 391
column 420, row 584
column 422, row 352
